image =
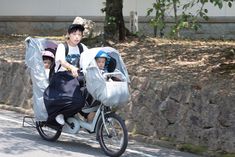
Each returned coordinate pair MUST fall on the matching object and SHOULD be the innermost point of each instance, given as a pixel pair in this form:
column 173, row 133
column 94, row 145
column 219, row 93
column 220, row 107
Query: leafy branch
column 186, row 19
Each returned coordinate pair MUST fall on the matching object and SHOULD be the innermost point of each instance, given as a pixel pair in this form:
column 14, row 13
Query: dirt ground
column 163, row 59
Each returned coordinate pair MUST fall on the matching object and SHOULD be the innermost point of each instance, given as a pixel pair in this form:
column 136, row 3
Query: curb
column 153, row 141
column 28, row 112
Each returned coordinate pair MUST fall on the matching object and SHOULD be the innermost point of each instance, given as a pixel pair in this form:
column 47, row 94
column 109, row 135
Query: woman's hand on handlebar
column 74, row 70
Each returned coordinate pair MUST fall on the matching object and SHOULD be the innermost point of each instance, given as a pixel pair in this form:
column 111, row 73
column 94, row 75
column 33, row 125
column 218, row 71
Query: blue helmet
column 102, row 54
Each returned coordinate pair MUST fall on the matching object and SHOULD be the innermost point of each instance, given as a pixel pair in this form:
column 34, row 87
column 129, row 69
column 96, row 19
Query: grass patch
column 228, row 155
column 168, row 139
column 196, row 149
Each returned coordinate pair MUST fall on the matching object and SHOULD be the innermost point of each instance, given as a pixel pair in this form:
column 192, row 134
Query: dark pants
column 63, row 96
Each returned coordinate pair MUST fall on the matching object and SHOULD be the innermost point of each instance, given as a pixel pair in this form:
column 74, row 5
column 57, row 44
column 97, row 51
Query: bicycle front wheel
column 112, row 136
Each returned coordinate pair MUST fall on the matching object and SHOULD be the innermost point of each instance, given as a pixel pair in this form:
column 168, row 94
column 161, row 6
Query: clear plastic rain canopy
column 34, row 62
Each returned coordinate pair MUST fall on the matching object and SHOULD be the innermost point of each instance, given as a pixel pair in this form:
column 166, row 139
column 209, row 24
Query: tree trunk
column 175, row 15
column 114, row 23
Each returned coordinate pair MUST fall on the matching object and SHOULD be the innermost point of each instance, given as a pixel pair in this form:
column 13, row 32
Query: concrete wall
column 87, row 8
column 51, row 17
column 66, row 8
column 215, row 28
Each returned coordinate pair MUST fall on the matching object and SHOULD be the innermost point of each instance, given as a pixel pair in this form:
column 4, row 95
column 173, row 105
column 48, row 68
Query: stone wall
column 179, row 111
column 183, row 113
column 15, row 87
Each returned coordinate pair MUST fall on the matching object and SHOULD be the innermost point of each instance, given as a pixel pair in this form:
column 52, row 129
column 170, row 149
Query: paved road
column 19, row 141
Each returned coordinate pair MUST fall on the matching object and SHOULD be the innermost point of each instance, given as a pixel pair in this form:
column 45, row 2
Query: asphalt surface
column 24, row 141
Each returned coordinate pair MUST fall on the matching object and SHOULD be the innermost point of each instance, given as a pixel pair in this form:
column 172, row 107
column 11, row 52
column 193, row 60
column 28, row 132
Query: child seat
column 34, row 62
column 110, row 93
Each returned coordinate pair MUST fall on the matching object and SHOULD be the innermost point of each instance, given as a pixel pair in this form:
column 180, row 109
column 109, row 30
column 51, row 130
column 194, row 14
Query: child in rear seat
column 48, row 60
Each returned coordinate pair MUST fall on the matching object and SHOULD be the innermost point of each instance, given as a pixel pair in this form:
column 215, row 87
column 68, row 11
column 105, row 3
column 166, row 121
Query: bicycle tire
column 118, row 127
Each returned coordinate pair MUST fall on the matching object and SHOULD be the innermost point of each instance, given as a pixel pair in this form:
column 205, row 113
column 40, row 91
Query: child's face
column 47, row 63
column 75, row 37
column 101, row 62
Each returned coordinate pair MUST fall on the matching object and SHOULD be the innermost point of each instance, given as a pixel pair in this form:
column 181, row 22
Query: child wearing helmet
column 101, row 59
column 48, row 60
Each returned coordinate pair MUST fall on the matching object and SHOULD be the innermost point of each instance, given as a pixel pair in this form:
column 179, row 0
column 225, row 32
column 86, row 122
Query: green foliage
column 169, row 139
column 185, row 20
column 193, row 148
column 160, row 8
column 114, row 27
column 111, row 20
column 228, row 155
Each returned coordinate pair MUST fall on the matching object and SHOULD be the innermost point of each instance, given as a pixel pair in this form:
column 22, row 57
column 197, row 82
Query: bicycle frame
column 91, row 126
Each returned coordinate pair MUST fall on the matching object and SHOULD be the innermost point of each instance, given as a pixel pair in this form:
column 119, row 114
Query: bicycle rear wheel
column 114, row 141
column 48, row 132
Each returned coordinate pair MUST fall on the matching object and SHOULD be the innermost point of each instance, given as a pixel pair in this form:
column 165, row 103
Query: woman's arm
column 69, row 67
column 60, row 60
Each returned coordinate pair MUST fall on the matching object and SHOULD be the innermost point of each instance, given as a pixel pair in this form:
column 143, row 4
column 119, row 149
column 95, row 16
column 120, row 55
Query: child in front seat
column 101, row 61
